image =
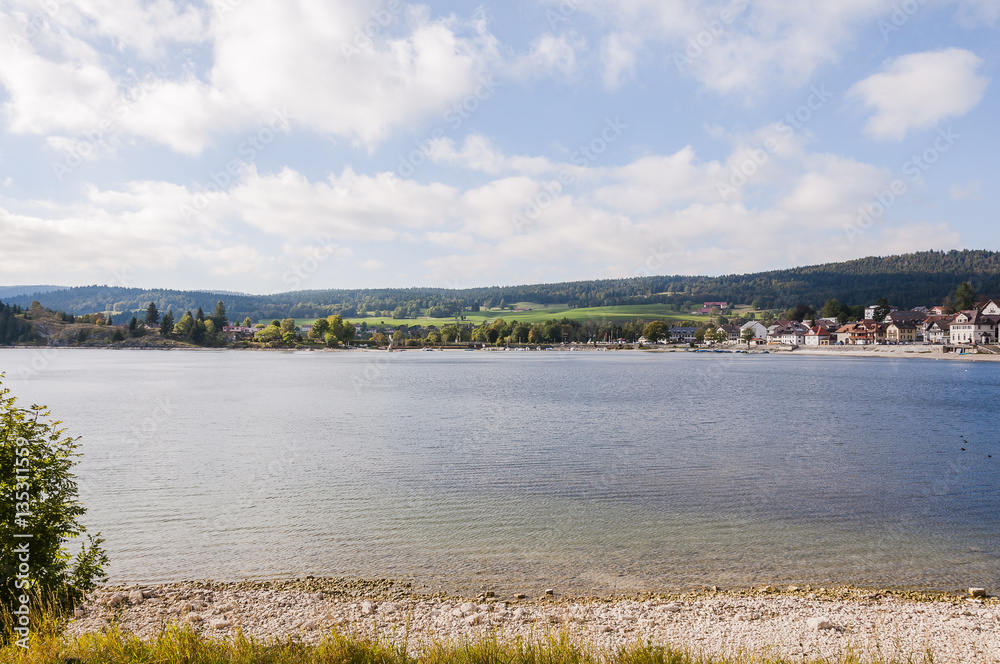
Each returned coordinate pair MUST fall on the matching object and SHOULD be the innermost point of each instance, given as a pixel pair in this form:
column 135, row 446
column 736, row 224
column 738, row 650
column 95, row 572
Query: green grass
column 541, row 313
column 184, row 645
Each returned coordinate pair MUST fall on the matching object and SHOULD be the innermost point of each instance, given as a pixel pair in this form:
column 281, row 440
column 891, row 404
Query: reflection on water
column 591, row 470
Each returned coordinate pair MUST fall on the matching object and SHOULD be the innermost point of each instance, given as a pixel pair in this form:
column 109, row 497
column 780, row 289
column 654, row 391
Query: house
column 937, row 330
column 990, row 308
column 974, row 327
column 732, row 333
column 818, row 335
column 788, row 332
column 870, row 310
column 759, row 332
column 906, row 317
column 682, row 334
column 844, row 332
column 903, row 332
column 707, row 307
column 239, row 331
column 829, row 323
column 867, row 332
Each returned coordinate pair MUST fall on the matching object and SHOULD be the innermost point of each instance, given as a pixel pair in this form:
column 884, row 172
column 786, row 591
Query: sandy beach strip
column 793, row 622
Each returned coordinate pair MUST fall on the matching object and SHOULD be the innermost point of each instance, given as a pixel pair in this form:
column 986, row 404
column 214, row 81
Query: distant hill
column 14, row 291
column 908, row 280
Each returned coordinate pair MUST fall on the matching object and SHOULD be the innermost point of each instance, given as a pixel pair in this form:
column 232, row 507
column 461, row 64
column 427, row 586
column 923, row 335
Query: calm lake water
column 580, row 471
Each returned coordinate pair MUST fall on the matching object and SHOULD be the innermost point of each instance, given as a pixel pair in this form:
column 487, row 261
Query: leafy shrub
column 40, row 510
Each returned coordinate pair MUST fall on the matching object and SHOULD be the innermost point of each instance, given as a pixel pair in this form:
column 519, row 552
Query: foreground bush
column 39, row 517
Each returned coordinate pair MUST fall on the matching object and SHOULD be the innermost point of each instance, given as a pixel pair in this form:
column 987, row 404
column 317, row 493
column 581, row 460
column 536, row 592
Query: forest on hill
column 908, row 280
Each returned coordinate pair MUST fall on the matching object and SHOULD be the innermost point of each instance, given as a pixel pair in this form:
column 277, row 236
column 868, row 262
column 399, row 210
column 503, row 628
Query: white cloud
column 964, row 192
column 657, row 214
column 974, row 14
column 735, row 46
column 305, row 56
column 550, row 55
column 618, row 58
column 478, row 153
column 918, row 90
column 372, row 265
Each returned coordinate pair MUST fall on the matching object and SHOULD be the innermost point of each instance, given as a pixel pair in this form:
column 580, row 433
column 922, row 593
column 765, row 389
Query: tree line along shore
column 715, row 322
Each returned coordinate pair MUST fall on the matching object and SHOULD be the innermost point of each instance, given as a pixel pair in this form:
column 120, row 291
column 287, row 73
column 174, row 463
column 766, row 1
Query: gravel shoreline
column 791, row 622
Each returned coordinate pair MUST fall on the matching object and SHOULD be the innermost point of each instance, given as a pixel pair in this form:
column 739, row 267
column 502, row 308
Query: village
column 921, row 325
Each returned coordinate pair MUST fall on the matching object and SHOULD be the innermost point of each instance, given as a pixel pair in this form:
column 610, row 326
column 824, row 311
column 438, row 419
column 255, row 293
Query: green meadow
column 540, row 313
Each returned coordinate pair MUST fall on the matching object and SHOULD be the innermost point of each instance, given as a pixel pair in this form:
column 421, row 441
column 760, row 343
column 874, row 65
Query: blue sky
column 258, row 146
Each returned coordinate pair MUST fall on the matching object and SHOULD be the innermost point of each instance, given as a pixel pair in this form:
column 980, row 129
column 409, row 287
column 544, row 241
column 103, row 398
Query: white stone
column 672, row 608
column 136, row 597
column 367, row 608
column 219, row 624
column 473, row 619
column 977, row 592
column 116, row 599
column 468, row 608
column 192, row 618
column 310, row 624
column 819, row 623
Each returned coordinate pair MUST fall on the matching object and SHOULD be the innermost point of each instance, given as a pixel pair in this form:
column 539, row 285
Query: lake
column 587, row 472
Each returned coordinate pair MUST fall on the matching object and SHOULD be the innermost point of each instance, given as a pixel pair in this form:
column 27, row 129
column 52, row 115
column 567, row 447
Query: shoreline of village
column 918, row 351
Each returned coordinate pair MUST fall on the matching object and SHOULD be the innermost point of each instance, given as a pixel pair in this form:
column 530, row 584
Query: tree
column 833, row 309
column 288, row 325
column 881, row 310
column 656, row 331
column 167, row 324
column 185, row 325
column 268, row 334
column 39, row 498
column 219, row 316
column 319, row 329
column 118, row 336
column 200, row 315
column 152, row 315
column 965, row 297
column 399, row 337
column 133, row 326
column 747, row 336
column 247, row 322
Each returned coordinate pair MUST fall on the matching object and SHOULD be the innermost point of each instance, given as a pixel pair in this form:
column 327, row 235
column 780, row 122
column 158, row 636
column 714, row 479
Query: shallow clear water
column 589, row 471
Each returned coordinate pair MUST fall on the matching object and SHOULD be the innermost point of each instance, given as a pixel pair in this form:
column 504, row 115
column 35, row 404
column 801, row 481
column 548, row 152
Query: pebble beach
column 793, row 622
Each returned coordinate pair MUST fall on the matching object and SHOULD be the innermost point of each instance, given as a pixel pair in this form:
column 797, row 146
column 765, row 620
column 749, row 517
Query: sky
column 261, row 146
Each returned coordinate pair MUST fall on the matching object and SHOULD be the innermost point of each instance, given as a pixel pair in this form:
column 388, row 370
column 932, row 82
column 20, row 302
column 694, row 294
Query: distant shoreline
column 885, row 352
